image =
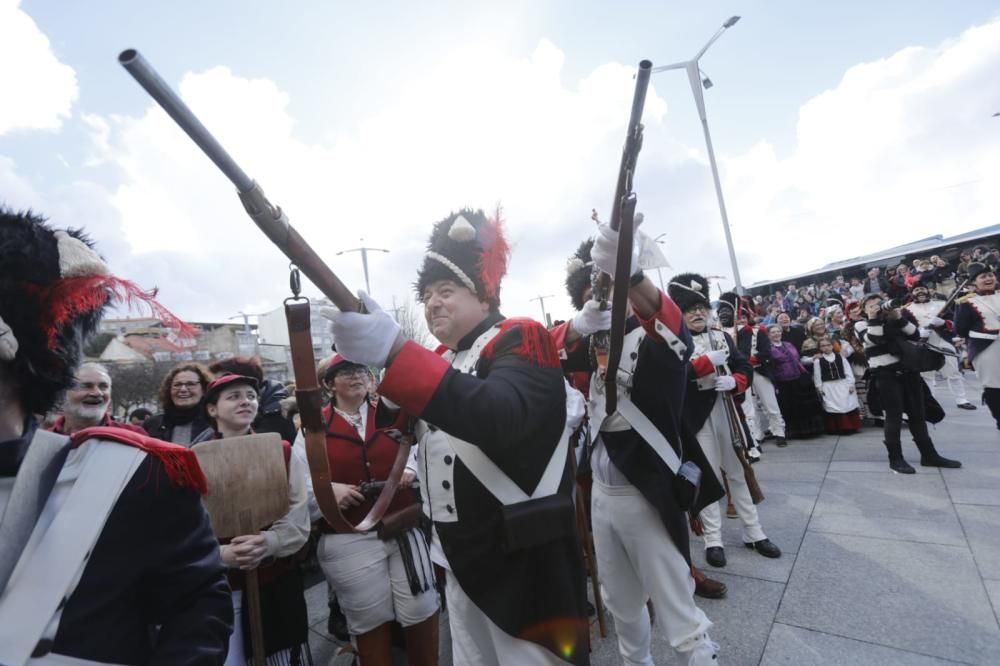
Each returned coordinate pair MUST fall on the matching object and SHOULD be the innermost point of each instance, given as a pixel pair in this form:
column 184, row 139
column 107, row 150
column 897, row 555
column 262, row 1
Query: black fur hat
column 53, row 291
column 469, row 248
column 688, row 290
column 730, row 298
column 44, row 324
column 579, row 270
column 976, row 269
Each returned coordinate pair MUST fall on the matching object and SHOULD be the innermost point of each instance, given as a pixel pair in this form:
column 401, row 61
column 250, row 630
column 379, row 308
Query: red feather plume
column 72, row 297
column 496, row 253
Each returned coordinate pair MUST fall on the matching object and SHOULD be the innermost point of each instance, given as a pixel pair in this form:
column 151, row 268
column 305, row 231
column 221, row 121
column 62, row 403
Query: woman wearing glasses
column 379, row 577
column 181, row 395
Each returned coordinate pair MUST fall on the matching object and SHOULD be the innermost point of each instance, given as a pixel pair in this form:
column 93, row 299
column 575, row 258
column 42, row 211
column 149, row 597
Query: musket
column 737, row 436
column 273, row 221
column 608, row 344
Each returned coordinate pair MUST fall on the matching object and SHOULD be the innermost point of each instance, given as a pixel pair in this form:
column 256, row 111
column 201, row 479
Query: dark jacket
column 698, row 404
column 513, row 407
column 269, row 416
column 155, row 564
column 161, row 426
column 658, row 388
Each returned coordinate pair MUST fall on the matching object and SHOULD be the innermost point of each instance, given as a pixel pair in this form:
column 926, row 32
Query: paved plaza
column 878, row 568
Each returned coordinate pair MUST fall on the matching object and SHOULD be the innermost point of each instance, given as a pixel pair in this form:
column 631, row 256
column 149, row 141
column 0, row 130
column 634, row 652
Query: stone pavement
column 878, row 568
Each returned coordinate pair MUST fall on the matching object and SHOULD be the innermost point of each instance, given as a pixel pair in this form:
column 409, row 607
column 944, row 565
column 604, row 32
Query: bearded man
column 87, row 401
column 107, row 554
column 493, row 450
column 717, row 371
column 927, row 315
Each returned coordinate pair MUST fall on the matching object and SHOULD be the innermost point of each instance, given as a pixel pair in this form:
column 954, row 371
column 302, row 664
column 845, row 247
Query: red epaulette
column 180, row 463
column 536, row 342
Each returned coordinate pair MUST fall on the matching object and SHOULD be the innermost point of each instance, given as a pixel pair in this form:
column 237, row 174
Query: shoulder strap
column 649, row 432
column 32, row 486
column 33, row 597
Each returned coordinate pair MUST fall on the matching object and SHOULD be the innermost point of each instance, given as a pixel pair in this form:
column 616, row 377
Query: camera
column 892, row 304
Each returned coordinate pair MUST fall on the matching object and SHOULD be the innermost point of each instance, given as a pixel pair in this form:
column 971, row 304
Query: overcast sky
column 841, row 128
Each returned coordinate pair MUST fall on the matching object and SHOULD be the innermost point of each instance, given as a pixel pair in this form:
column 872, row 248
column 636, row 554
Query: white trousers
column 715, row 442
column 369, row 577
column 639, row 561
column 953, row 375
column 767, row 402
column 477, row 641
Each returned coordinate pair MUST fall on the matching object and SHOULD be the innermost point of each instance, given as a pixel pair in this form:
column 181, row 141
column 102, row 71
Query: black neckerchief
column 182, row 415
column 490, row 320
column 12, row 451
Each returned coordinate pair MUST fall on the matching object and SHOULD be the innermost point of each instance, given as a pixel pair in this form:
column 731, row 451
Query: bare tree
column 135, row 384
column 411, row 321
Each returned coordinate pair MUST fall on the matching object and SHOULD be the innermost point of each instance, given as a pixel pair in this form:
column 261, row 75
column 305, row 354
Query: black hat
column 688, row 290
column 54, row 288
column 976, row 269
column 730, row 298
column 579, row 270
column 470, row 249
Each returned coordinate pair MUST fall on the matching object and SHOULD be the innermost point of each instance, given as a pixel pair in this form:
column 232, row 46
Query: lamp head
column 707, row 83
column 731, row 21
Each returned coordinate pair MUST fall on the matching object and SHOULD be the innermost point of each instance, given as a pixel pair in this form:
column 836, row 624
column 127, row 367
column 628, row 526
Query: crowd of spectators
column 827, row 300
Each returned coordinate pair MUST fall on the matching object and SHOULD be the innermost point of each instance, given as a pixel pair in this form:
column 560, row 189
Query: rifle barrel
column 175, row 107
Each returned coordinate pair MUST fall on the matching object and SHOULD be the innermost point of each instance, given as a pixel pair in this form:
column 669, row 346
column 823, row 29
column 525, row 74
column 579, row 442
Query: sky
column 839, row 128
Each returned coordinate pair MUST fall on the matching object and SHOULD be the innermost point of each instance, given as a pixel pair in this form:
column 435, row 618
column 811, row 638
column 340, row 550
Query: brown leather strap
column 310, row 397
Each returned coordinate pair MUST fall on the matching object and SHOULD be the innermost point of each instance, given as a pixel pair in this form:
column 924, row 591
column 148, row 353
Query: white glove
column 592, row 319
column 936, row 321
column 605, row 251
column 8, row 343
column 725, row 383
column 366, row 338
column 924, row 333
column 718, row 356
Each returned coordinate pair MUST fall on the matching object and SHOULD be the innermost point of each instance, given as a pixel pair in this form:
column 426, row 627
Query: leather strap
column 501, row 485
column 32, row 487
column 28, row 606
column 649, row 432
column 310, row 397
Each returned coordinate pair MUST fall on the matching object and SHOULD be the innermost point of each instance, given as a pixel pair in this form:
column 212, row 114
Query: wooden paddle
column 247, row 491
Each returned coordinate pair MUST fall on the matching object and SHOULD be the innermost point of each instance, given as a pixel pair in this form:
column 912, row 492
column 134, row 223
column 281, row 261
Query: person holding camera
column 900, row 388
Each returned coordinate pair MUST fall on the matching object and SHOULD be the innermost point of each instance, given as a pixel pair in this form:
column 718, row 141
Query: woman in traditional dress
column 834, row 380
column 378, row 577
column 231, row 404
column 797, row 398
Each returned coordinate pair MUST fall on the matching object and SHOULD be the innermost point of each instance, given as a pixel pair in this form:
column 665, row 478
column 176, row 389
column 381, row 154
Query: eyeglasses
column 351, row 372
column 177, row 386
column 697, row 308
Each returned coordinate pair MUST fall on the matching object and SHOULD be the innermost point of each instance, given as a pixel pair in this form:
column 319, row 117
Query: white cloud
column 41, row 89
column 903, row 148
column 478, row 129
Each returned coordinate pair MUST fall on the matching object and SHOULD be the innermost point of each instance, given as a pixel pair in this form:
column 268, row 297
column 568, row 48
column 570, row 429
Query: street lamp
column 697, row 80
column 364, row 260
column 541, row 300
column 658, row 271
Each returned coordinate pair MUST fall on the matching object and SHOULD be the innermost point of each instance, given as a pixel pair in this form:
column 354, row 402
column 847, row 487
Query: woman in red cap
column 231, row 402
column 378, row 577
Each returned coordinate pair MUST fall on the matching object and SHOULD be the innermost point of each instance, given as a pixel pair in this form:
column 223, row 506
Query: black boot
column 896, row 462
column 929, row 457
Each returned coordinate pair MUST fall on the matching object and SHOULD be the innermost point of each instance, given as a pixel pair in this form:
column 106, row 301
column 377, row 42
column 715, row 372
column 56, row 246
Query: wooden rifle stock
column 737, row 436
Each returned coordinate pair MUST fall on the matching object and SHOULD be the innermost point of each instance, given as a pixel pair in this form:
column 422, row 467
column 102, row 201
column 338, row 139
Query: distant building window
column 202, row 355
